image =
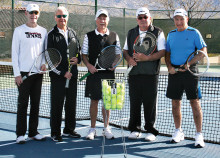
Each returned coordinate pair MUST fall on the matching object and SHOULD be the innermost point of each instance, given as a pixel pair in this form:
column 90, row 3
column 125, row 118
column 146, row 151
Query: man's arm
column 154, row 56
column 170, row 68
column 90, row 67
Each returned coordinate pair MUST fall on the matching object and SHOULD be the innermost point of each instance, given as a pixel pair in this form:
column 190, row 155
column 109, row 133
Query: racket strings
column 110, row 57
column 53, row 58
column 198, row 63
column 145, row 44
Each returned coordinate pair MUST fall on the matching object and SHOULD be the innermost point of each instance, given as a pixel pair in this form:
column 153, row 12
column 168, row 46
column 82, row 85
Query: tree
column 197, row 9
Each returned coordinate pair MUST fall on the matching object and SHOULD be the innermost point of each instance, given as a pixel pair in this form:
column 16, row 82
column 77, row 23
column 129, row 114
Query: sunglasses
column 34, row 12
column 59, row 16
column 140, row 18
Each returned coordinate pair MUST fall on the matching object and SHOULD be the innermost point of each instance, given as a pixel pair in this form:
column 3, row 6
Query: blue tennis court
column 82, row 148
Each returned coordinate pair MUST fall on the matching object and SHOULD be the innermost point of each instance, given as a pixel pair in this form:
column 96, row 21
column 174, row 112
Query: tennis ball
column 119, row 105
column 107, row 106
column 118, row 90
column 108, row 98
column 104, row 83
column 108, row 90
column 114, row 101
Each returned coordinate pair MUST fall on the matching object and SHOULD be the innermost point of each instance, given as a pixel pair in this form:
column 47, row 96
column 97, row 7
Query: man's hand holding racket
column 197, row 64
column 108, row 59
column 144, row 46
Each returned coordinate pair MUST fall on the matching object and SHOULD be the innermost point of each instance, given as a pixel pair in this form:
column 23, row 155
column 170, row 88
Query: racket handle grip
column 24, row 78
column 67, row 83
column 128, row 71
column 86, row 75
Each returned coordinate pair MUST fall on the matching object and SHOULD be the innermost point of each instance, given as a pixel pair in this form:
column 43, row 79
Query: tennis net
column 209, row 82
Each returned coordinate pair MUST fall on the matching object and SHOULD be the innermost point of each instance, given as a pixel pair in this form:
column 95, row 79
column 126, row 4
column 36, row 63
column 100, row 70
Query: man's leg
column 93, row 115
column 197, row 114
column 93, row 112
column 177, row 115
column 105, row 114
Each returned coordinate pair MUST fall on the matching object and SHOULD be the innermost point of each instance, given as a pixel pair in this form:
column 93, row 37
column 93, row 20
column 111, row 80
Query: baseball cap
column 101, row 11
column 180, row 12
column 32, row 7
column 142, row 10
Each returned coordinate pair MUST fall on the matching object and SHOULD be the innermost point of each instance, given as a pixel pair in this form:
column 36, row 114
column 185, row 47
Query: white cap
column 142, row 10
column 101, row 11
column 32, row 7
column 180, row 12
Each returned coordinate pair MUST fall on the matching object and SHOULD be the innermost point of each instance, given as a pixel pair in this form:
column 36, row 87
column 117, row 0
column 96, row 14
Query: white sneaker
column 91, row 134
column 177, row 136
column 150, row 137
column 134, row 135
column 199, row 142
column 107, row 133
column 20, row 140
column 38, row 137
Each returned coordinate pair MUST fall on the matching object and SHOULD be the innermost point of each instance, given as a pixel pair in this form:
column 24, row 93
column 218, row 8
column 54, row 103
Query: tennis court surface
column 210, row 84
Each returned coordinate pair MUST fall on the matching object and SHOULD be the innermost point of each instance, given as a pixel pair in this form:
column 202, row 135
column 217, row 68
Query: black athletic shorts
column 183, row 82
column 93, row 84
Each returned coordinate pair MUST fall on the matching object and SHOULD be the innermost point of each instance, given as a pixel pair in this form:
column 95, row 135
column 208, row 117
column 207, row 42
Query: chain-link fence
column 82, row 20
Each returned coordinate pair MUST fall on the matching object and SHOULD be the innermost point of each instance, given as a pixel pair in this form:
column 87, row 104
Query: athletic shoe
column 20, row 140
column 150, row 137
column 57, row 138
column 38, row 137
column 71, row 134
column 91, row 134
column 134, row 135
column 177, row 136
column 107, row 133
column 199, row 142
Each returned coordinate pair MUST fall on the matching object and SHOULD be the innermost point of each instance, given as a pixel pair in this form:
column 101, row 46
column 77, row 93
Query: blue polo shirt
column 181, row 44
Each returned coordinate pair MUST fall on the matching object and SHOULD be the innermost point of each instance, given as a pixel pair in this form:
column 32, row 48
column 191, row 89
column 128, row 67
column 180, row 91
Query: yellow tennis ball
column 108, row 98
column 108, row 89
column 119, row 97
column 107, row 106
column 119, row 105
column 105, row 83
column 118, row 90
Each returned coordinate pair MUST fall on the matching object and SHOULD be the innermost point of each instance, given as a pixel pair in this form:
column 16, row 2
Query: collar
column 62, row 31
column 98, row 33
column 57, row 29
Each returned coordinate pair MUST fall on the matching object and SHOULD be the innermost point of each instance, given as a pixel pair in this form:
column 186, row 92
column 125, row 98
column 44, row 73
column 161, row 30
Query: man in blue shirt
column 181, row 42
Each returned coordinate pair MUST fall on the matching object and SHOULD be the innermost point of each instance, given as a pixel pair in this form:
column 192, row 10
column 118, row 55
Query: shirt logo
column 33, row 35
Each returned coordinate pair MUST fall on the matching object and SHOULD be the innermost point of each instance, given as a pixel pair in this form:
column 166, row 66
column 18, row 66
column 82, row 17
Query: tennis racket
column 145, row 43
column 110, row 57
column 52, row 59
column 72, row 50
column 197, row 63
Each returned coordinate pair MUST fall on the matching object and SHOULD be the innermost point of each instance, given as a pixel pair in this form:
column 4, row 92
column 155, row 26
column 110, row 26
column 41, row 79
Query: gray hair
column 63, row 9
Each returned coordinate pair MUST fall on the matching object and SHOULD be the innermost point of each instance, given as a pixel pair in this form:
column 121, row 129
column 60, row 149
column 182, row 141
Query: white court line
column 78, row 148
column 7, row 144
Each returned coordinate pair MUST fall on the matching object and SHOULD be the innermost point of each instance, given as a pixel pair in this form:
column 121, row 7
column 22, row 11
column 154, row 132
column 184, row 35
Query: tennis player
column 28, row 41
column 59, row 38
column 180, row 43
column 143, row 78
column 94, row 42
